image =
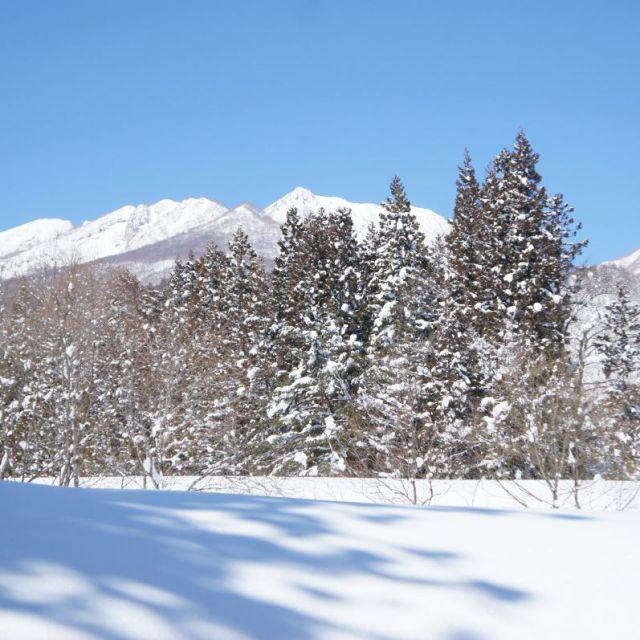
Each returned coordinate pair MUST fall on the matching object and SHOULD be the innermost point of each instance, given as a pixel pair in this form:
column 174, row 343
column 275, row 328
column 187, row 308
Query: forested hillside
column 375, row 356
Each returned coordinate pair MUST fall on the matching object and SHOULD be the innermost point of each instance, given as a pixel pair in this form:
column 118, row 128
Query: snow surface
column 84, row 563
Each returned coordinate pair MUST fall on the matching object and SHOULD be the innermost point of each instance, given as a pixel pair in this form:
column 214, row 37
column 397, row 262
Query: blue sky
column 105, row 103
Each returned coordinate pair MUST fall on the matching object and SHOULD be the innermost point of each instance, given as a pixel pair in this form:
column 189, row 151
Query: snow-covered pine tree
column 287, row 306
column 211, row 371
column 619, row 343
column 529, row 258
column 557, row 275
column 529, row 253
column 398, row 435
column 398, row 261
column 125, row 382
column 209, row 303
column 182, row 298
column 467, row 250
column 245, row 369
column 455, row 369
column 619, row 347
column 316, row 297
column 463, row 359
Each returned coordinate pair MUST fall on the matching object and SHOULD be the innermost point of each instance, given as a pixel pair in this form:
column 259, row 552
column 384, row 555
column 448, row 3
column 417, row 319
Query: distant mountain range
column 147, row 238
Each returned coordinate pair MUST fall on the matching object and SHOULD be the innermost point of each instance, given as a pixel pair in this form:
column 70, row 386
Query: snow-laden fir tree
column 619, row 343
column 458, row 366
column 619, row 347
column 316, row 344
column 211, row 369
column 288, row 271
column 397, row 262
column 397, row 434
column 467, row 248
column 528, row 295
column 246, row 368
column 529, row 251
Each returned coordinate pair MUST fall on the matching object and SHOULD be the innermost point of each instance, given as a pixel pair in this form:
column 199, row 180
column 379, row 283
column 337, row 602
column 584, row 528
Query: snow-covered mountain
column 148, row 238
column 630, row 262
column 363, row 214
column 118, row 233
column 28, row 235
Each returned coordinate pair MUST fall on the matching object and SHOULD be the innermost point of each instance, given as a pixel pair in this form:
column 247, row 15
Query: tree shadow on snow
column 106, row 563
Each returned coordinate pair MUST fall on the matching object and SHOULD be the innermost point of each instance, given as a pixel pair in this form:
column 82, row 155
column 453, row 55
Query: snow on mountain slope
column 118, row 232
column 431, row 224
column 134, row 227
column 630, row 262
column 153, row 262
column 33, row 233
column 80, row 564
column 147, row 238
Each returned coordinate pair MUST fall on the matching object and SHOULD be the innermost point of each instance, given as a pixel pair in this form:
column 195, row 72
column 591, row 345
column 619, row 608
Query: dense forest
column 382, row 356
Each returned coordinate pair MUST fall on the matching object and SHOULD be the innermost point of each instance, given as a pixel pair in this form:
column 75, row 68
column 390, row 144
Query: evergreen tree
column 619, row 347
column 247, row 372
column 467, row 249
column 398, row 434
column 529, row 255
column 619, row 343
column 398, row 263
column 287, row 305
column 316, row 327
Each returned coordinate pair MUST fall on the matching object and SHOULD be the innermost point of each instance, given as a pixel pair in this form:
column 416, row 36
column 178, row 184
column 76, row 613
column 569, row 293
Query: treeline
column 375, row 357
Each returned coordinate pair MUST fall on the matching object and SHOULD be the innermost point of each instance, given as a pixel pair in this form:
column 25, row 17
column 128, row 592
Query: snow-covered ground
column 88, row 563
column 598, row 495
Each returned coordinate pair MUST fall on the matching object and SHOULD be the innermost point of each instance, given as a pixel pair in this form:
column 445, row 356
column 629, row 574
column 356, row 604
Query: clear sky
column 112, row 102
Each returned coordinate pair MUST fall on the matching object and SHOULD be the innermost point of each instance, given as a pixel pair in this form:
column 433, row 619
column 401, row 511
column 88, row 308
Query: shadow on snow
column 148, row 554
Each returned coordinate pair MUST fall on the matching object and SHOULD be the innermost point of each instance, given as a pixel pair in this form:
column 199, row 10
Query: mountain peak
column 364, row 214
column 31, row 234
column 245, row 207
column 300, row 192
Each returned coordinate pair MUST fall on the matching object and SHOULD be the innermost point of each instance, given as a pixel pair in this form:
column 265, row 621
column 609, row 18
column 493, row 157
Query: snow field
column 80, row 564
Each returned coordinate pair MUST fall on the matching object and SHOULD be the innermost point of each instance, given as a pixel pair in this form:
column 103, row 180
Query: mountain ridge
column 147, row 238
